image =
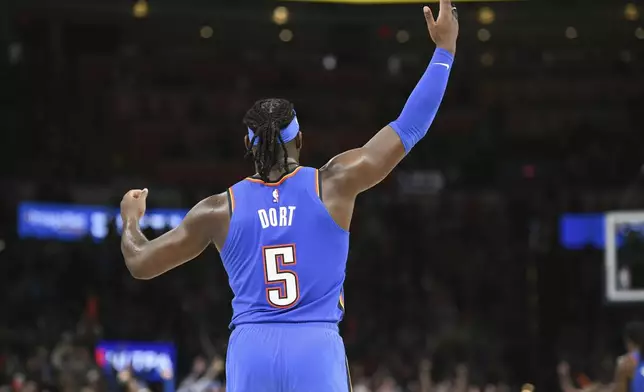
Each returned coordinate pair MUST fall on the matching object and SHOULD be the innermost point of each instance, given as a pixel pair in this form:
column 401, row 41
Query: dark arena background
column 506, row 253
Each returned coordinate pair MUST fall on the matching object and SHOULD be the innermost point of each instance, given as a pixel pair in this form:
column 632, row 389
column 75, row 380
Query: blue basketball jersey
column 285, row 255
column 637, row 383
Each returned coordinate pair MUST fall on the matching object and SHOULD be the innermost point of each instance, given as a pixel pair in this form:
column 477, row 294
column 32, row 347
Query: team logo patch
column 276, row 196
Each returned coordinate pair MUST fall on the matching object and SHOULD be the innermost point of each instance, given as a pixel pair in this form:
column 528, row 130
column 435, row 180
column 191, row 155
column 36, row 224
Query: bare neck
column 279, row 170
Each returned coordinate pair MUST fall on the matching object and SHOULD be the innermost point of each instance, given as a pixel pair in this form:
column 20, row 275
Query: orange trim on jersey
column 232, row 199
column 289, row 175
column 346, row 361
column 317, row 182
column 342, row 301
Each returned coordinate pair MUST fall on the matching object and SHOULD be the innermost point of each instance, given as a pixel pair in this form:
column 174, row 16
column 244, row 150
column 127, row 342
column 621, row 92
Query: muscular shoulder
column 215, row 204
column 339, row 164
column 212, row 216
column 338, row 171
column 211, row 210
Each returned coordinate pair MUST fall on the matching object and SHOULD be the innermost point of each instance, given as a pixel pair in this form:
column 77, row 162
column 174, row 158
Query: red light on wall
column 528, row 171
column 384, row 32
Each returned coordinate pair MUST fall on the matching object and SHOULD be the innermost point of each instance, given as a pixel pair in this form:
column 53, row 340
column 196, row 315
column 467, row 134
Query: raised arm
column 565, row 381
column 360, row 169
column 147, row 259
column 623, row 373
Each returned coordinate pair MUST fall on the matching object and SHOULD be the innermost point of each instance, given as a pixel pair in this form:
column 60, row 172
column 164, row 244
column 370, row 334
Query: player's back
column 637, row 382
column 285, row 256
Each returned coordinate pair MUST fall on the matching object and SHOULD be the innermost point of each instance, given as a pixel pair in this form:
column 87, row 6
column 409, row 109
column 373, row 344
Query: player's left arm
column 624, row 373
column 359, row 169
column 147, row 259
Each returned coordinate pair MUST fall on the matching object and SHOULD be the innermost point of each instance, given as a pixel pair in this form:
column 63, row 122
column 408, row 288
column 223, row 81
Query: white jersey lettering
column 276, row 217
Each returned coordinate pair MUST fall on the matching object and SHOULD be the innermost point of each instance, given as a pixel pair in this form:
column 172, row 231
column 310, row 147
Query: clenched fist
column 133, row 204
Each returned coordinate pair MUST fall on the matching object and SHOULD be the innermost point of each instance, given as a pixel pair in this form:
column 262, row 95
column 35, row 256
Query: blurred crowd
column 83, row 293
column 457, row 310
column 456, row 281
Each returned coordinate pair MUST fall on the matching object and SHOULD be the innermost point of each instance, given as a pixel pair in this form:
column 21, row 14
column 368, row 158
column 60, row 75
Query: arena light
column 486, row 15
column 484, row 35
column 15, row 53
column 639, row 33
column 487, row 59
column 329, row 62
column 402, row 36
column 527, row 388
column 206, row 32
column 280, row 16
column 625, row 56
column 140, row 9
column 373, row 2
column 631, row 12
column 571, row 32
column 286, row 35
column 394, row 64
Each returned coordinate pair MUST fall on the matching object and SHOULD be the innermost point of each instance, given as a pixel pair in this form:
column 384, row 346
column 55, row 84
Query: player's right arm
column 360, row 169
column 624, row 373
column 206, row 222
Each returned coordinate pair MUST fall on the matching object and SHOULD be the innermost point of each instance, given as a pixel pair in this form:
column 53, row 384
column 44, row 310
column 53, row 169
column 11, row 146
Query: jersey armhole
column 318, row 183
column 231, row 201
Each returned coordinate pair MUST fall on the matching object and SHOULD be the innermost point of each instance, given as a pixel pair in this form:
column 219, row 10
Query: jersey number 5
column 276, row 259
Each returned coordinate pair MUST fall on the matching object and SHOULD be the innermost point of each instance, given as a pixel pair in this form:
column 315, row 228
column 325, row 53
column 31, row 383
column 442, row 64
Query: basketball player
column 283, row 235
column 629, row 376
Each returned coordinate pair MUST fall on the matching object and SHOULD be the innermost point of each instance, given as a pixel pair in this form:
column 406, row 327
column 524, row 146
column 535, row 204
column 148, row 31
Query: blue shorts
column 286, row 358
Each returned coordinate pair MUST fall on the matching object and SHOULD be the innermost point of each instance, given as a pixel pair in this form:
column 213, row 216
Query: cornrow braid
column 266, row 119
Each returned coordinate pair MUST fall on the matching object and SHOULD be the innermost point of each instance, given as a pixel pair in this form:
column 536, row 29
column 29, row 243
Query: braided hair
column 266, row 119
